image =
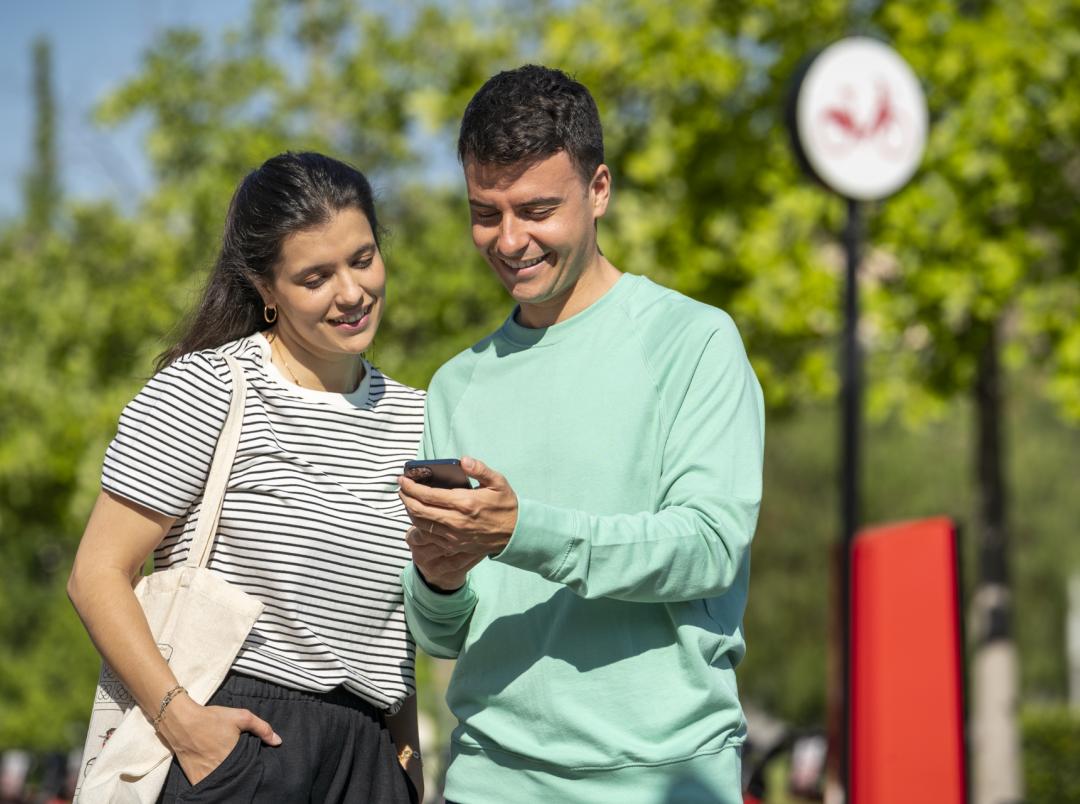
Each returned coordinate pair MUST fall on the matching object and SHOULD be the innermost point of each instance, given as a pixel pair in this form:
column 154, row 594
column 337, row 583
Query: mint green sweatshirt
column 596, row 652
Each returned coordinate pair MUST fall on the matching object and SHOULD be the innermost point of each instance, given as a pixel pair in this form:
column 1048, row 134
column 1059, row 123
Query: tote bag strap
column 214, row 495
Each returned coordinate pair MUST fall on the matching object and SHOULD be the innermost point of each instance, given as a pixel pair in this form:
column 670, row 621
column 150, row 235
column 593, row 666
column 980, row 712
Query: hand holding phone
column 439, row 473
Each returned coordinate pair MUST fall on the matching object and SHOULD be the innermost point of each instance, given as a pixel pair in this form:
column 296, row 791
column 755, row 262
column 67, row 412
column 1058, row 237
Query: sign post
column 858, row 123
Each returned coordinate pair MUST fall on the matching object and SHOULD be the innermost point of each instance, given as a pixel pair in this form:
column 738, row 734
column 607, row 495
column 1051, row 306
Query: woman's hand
column 414, row 770
column 202, row 737
column 404, row 730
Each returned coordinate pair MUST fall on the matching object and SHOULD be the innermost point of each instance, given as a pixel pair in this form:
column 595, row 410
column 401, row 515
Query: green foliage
column 80, row 309
column 988, row 230
column 909, row 474
column 86, row 304
column 707, row 196
column 707, row 199
column 1051, row 739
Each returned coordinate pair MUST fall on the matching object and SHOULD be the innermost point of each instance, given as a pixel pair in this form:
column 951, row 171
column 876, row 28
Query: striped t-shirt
column 311, row 524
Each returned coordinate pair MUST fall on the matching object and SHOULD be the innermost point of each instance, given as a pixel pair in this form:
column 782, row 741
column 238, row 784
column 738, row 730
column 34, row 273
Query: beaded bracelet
column 165, row 704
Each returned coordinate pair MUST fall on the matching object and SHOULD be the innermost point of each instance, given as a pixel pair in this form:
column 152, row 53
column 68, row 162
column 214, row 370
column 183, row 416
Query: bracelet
column 165, row 704
column 407, row 753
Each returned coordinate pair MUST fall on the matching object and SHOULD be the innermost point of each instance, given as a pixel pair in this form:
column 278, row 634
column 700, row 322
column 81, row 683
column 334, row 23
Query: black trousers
column 335, row 748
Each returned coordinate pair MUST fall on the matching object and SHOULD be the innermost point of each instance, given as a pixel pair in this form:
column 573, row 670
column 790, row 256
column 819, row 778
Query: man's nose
column 513, row 238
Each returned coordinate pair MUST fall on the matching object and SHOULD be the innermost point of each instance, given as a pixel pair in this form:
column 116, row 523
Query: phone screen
column 439, row 473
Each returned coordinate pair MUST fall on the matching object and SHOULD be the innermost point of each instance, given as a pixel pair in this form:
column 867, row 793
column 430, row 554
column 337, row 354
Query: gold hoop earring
column 267, row 310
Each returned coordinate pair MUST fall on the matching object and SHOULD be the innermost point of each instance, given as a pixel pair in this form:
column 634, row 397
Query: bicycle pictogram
column 887, row 128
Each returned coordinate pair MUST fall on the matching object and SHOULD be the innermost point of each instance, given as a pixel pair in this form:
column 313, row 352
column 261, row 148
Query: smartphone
column 440, row 473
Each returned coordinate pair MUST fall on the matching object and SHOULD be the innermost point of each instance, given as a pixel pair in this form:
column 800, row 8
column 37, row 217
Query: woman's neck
column 340, row 375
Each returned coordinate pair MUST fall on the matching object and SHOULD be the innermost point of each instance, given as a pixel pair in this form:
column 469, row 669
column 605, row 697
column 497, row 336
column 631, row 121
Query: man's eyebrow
column 541, row 201
column 545, row 201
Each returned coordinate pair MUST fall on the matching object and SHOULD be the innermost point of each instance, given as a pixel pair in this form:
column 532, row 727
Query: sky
column 96, row 46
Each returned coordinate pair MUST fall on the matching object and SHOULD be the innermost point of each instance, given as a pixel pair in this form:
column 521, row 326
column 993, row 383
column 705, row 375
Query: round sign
column 860, row 119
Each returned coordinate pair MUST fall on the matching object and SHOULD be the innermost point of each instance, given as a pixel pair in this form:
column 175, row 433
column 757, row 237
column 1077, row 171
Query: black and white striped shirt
column 311, row 523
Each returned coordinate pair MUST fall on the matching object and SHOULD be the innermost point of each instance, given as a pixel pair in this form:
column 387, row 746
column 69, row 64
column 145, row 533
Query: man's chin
column 522, row 293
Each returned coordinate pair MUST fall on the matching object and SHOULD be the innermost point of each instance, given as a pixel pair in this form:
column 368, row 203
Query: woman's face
column 329, row 288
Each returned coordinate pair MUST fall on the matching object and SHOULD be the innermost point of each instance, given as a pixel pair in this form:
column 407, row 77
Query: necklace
column 288, row 368
column 292, row 374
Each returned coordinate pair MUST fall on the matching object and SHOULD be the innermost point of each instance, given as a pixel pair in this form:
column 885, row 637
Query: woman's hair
column 289, row 193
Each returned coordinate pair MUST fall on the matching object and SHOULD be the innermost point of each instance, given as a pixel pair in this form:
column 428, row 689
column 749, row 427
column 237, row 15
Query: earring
column 269, row 314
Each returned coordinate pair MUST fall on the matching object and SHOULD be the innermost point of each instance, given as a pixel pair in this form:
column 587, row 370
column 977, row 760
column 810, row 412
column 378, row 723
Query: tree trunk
column 995, row 743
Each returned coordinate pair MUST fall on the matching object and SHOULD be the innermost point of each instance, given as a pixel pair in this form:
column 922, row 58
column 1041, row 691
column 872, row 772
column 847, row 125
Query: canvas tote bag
column 199, row 621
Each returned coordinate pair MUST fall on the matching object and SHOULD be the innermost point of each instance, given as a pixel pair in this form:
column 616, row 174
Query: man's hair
column 528, row 114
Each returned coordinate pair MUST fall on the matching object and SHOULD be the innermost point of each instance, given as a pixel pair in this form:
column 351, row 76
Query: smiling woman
column 326, row 299
column 320, row 704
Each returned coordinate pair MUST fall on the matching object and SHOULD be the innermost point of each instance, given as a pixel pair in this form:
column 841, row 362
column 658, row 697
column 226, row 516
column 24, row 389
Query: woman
column 311, row 523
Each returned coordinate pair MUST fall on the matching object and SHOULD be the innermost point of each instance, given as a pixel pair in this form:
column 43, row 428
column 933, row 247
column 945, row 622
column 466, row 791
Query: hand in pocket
column 202, row 737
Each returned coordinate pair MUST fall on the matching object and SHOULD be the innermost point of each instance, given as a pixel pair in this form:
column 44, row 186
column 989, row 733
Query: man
column 591, row 589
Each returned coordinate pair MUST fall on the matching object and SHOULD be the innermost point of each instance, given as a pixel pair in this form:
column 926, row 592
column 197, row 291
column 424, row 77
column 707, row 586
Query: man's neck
column 588, row 290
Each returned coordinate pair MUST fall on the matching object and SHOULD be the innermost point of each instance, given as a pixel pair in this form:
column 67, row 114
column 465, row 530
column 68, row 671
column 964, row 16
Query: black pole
column 851, row 409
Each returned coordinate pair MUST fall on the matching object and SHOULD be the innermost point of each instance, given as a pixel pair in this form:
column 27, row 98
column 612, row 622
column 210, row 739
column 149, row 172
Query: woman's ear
column 264, row 291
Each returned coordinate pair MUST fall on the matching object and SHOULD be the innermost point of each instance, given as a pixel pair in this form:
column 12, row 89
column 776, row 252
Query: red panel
column 907, row 729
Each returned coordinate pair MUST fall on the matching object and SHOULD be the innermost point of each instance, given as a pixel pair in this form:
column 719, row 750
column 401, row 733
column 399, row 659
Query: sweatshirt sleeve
column 695, row 543
column 437, row 621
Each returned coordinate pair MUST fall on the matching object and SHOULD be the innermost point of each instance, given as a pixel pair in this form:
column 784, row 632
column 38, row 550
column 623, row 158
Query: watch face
column 860, row 119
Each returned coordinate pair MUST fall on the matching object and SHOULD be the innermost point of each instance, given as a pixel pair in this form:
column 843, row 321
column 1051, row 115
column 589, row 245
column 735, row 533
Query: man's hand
column 474, row 522
column 443, row 572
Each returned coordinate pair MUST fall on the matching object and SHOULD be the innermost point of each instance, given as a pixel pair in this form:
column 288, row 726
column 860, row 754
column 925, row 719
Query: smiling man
column 592, row 585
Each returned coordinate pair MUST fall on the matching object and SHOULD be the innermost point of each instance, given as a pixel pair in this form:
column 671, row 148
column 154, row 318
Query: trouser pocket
column 236, row 779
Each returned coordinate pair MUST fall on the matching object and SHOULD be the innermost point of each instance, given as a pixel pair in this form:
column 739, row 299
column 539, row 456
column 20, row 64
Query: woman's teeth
column 349, row 319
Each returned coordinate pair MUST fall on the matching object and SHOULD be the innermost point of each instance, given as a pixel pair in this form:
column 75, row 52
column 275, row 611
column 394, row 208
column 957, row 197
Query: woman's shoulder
column 387, row 390
column 208, row 369
column 202, row 379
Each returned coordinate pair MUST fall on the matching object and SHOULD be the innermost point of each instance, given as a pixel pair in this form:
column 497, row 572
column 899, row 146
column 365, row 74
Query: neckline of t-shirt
column 359, row 398
column 519, row 335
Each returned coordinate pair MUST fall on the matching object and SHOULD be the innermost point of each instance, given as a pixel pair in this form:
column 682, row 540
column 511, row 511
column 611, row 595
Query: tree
column 41, row 186
column 89, row 296
column 708, row 199
column 990, row 230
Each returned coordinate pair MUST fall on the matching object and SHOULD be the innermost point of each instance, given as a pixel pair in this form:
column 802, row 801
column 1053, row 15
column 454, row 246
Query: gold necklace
column 288, row 368
column 285, row 363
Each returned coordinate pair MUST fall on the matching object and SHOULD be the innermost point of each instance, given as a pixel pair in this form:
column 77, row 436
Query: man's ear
column 600, row 190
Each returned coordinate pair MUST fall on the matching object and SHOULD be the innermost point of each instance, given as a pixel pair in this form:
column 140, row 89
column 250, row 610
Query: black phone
column 439, row 473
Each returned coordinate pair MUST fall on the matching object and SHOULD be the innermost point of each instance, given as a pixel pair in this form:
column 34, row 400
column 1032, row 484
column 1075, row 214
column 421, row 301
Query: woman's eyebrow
column 363, row 251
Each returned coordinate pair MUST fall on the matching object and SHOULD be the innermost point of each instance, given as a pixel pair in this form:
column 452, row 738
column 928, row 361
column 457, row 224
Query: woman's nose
column 349, row 291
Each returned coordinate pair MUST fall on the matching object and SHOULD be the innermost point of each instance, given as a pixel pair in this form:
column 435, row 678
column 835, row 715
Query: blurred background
column 126, row 126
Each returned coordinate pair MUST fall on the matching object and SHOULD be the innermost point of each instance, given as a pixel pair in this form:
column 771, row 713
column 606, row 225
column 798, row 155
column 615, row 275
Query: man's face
column 535, row 224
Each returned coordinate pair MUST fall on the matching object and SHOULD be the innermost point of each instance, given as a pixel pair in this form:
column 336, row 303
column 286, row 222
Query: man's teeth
column 519, row 265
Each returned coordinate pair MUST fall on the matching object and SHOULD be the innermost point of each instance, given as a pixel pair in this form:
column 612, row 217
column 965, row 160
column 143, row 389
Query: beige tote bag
column 199, row 621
